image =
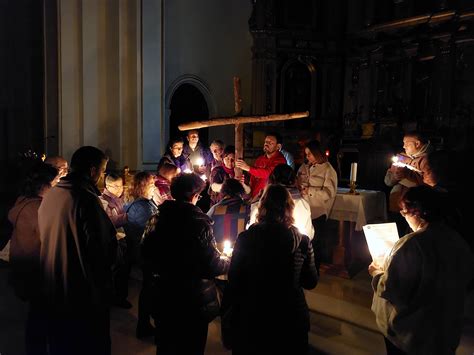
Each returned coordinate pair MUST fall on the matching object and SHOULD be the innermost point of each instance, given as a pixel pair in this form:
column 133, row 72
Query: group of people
column 420, row 289
column 73, row 248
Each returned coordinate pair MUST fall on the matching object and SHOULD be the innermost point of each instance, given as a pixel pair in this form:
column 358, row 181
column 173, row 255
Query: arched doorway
column 188, row 104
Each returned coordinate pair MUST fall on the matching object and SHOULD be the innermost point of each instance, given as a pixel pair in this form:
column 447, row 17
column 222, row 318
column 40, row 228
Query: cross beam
column 238, row 121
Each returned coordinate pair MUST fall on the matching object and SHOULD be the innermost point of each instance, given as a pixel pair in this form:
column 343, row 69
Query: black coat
column 271, row 264
column 180, row 250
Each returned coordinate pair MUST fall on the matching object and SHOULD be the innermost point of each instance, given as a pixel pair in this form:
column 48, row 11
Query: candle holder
column 352, row 188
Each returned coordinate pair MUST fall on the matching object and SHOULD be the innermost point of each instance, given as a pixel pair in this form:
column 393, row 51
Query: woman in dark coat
column 271, row 264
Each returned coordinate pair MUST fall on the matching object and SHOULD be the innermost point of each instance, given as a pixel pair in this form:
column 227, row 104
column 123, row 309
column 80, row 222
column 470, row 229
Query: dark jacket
column 271, row 264
column 139, row 212
column 182, row 162
column 181, row 251
column 78, row 246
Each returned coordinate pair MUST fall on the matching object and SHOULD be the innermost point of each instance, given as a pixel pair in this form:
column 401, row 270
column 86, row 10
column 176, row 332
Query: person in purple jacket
column 112, row 201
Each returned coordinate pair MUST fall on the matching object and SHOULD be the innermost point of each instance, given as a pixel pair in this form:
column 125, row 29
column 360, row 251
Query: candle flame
column 200, row 161
column 394, row 159
column 228, row 248
column 187, row 171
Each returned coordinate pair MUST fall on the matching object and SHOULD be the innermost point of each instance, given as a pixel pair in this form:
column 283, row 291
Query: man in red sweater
column 264, row 164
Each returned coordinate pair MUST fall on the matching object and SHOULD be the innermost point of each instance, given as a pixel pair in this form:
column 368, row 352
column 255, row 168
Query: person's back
column 180, row 251
column 271, row 264
column 75, row 265
column 269, row 301
column 78, row 248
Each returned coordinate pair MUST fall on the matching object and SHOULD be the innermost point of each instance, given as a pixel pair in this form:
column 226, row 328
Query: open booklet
column 380, row 238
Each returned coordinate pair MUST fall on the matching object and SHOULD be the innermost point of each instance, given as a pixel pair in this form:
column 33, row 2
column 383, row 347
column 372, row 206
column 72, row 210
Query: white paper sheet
column 380, row 238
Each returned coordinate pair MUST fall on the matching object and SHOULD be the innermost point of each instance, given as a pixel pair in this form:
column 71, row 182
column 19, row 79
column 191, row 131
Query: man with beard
column 264, row 165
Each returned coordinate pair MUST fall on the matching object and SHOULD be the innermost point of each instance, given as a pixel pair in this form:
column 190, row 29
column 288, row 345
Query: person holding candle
column 175, row 156
column 200, row 156
column 401, row 178
column 180, row 250
column 419, row 290
column 317, row 181
column 271, row 264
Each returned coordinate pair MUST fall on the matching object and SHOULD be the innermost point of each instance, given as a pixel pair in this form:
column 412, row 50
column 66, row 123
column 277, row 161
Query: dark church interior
column 367, row 72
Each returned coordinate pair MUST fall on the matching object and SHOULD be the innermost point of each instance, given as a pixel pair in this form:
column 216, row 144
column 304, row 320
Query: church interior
column 123, row 75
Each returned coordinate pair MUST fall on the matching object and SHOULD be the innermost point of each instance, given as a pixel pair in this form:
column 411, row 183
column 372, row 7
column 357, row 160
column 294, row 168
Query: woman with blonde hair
column 139, row 211
column 271, row 264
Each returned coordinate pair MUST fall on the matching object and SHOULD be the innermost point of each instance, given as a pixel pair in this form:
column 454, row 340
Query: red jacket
column 262, row 169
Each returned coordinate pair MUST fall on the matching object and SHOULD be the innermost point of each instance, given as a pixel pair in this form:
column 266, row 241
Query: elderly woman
column 419, row 290
column 271, row 264
column 25, row 248
column 139, row 211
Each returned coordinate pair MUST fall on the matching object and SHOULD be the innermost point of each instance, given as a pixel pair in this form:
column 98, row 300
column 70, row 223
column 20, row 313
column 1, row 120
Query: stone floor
column 342, row 322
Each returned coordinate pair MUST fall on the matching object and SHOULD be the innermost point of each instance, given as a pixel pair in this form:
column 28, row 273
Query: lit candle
column 394, row 159
column 199, row 161
column 228, row 248
column 203, row 177
column 353, row 176
column 187, row 171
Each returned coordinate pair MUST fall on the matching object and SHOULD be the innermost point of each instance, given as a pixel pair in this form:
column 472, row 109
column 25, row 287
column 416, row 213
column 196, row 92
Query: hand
column 374, row 269
column 398, row 173
column 241, row 164
column 242, row 179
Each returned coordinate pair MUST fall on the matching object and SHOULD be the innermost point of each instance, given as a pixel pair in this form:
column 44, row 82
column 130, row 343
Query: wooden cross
column 239, row 121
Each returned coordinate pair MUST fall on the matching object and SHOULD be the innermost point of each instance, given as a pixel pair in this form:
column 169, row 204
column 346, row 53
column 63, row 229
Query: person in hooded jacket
column 180, row 250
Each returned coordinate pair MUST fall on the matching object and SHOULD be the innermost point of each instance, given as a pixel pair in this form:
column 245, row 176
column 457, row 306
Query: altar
column 346, row 246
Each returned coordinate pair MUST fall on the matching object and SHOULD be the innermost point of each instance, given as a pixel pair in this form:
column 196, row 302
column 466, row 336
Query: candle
column 187, row 171
column 394, row 159
column 353, row 176
column 228, row 248
column 199, row 161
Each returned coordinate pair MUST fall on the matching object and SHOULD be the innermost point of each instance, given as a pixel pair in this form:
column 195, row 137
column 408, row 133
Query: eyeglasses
column 115, row 186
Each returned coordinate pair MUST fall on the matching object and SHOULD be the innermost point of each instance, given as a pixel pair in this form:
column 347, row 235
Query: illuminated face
column 411, row 145
column 98, row 173
column 311, row 158
column 270, row 146
column 216, row 151
column 229, row 161
column 177, row 149
column 115, row 187
column 150, row 188
column 193, row 137
column 63, row 169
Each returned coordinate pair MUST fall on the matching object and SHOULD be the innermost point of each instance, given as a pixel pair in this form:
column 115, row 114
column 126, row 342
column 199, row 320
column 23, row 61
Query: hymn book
column 380, row 238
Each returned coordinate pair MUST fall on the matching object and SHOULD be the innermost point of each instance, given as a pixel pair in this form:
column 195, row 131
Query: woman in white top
column 317, row 181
